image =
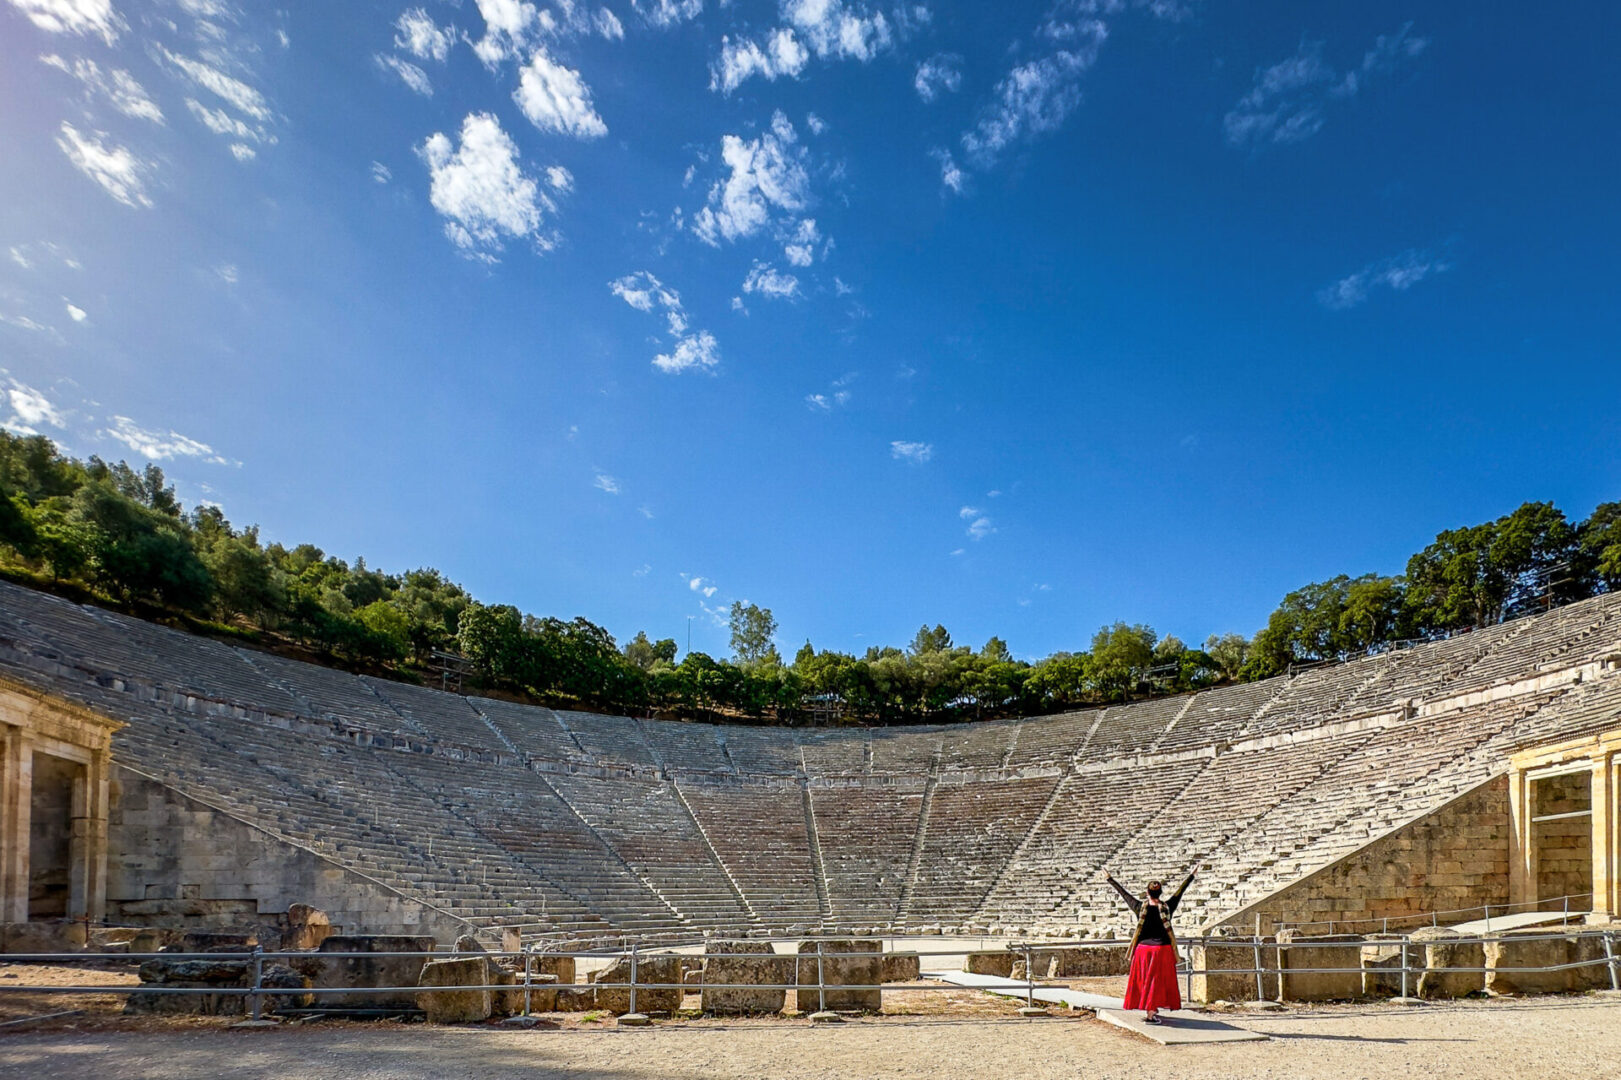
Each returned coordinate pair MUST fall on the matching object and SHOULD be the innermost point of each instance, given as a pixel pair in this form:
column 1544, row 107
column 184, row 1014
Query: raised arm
column 1176, row 897
column 1125, row 894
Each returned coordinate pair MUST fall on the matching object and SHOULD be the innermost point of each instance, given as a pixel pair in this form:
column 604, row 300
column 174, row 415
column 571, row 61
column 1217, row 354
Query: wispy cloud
column 30, row 410
column 419, row 35
column 979, row 525
column 1290, row 99
column 411, row 75
column 694, row 350
column 771, row 283
column 826, row 29
column 481, row 189
column 702, row 586
column 115, row 86
column 117, row 169
column 939, row 74
column 768, row 184
column 555, row 98
column 161, row 445
column 81, row 17
column 606, row 483
column 913, row 453
column 1035, row 97
column 1399, row 273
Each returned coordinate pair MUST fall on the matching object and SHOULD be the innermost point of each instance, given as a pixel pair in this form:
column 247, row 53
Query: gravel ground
column 1542, row 1038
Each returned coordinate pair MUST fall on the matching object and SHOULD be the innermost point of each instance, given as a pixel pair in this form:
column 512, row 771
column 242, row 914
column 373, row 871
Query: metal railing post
column 1404, row 966
column 633, row 960
column 1609, row 955
column 1029, row 978
column 1260, row 985
column 255, row 999
column 528, row 981
column 821, row 982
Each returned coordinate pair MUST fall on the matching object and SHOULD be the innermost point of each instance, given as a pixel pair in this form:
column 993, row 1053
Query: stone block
column 218, row 976
column 998, row 962
column 211, row 942
column 458, row 1006
column 1531, row 949
column 1588, row 949
column 1445, row 964
column 560, row 966
column 656, row 968
column 1382, row 963
column 1074, row 963
column 902, row 967
column 1298, row 951
column 363, row 971
column 1230, row 971
column 306, row 928
column 864, row 969
column 761, row 965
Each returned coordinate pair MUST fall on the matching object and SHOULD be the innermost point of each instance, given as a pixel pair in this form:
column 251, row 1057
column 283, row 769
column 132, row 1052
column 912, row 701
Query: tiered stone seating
column 535, row 731
column 331, row 694
column 1424, row 672
column 647, row 827
column 866, row 836
column 1052, row 739
column 1567, row 636
column 609, row 740
column 906, row 751
column 763, row 751
column 1127, row 729
column 971, row 830
column 1217, row 716
column 1315, row 697
column 1092, row 815
column 977, row 746
column 834, row 753
column 687, row 747
column 447, row 718
column 759, row 832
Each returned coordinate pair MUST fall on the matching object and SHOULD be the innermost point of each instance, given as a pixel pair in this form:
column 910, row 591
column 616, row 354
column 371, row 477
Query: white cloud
column 1033, row 98
column 119, row 172
column 828, row 29
column 221, row 122
column 227, row 273
column 665, row 13
column 979, row 526
column 30, row 410
column 646, row 512
column 117, row 86
column 768, row 175
column 480, row 189
column 801, row 246
column 771, row 283
column 555, row 98
column 818, row 403
column 693, row 351
column 561, row 180
column 23, row 322
column 643, row 570
column 1289, row 100
column 937, row 75
column 913, row 453
column 420, row 36
column 608, row 25
column 951, row 175
column 411, row 75
column 507, row 26
column 698, row 585
column 1399, row 273
column 160, row 446
column 76, row 313
column 606, row 483
column 82, row 17
column 816, row 124
column 381, row 173
column 243, row 152
column 781, row 55
column 234, row 92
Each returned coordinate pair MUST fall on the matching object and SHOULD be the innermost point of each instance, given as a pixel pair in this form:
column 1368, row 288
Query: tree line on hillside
column 119, row 536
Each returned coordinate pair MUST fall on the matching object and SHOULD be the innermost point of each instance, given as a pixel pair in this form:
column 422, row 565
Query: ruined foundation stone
column 999, row 962
column 1382, row 964
column 366, row 971
column 762, row 965
column 658, row 968
column 859, row 971
column 1443, row 957
column 1238, row 959
column 1298, row 951
column 902, row 967
column 1528, row 950
column 226, row 978
column 456, row 1006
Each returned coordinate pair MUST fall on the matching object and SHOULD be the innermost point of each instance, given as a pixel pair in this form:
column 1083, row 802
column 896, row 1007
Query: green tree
column 1228, row 652
column 1121, row 656
column 1598, row 546
column 138, row 552
column 754, row 629
column 927, row 641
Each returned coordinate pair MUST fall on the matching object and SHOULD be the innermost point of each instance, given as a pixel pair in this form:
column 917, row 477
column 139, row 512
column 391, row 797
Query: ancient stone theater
column 152, row 778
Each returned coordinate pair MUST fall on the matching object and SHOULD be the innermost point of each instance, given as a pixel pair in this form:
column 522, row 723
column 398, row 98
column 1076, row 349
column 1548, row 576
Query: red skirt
column 1152, row 984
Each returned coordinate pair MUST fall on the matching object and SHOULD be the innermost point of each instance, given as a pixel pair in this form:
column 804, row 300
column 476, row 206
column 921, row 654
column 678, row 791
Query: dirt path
column 1537, row 1039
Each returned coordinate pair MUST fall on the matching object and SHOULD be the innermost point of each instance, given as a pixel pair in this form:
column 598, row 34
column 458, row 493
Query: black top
column 1154, row 928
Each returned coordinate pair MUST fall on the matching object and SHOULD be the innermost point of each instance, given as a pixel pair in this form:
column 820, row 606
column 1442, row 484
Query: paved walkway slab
column 1180, row 1028
column 1517, row 921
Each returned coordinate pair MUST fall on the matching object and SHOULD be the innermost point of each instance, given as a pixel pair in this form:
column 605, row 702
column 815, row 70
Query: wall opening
column 1562, row 839
column 50, row 837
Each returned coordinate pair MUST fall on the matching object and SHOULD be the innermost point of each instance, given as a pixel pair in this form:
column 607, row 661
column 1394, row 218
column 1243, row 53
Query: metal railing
column 1434, row 918
column 256, row 993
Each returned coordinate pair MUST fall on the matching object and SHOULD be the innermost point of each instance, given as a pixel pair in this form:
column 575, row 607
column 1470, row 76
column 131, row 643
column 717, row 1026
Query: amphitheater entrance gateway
column 54, row 761
column 1565, row 798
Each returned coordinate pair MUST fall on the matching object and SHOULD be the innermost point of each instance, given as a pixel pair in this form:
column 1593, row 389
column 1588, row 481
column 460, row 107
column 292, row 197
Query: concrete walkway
column 1181, row 1028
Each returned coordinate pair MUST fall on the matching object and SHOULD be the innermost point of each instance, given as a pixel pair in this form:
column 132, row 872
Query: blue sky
column 1018, row 317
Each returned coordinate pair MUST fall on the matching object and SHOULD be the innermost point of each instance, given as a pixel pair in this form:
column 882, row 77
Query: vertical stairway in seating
column 916, row 858
column 824, row 904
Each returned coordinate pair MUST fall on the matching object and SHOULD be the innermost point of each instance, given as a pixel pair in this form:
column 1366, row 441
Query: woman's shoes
column 1150, row 1019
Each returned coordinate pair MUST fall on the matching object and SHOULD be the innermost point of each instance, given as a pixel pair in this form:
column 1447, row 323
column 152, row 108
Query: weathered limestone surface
column 326, row 971
column 1382, row 965
column 999, row 962
column 662, row 968
column 1238, row 958
column 225, row 977
column 902, row 967
column 859, row 971
column 456, row 1006
column 1443, row 956
column 1334, row 951
column 762, row 965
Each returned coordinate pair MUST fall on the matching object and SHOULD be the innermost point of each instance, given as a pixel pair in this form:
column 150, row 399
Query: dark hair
column 1154, row 888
